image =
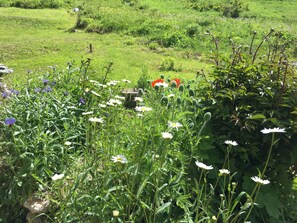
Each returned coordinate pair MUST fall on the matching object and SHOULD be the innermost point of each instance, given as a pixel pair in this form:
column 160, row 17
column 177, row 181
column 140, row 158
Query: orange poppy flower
column 157, row 81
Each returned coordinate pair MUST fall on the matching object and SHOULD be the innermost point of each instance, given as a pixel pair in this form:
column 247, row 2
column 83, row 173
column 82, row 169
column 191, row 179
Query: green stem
column 268, row 157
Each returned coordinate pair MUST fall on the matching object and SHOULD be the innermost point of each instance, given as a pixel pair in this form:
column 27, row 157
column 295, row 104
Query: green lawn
column 34, row 39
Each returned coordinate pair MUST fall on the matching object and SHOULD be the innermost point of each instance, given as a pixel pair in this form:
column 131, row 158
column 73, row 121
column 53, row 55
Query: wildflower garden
column 79, row 146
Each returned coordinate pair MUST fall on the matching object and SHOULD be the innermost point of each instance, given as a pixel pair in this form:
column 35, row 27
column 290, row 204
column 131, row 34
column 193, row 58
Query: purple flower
column 66, row 93
column 53, row 83
column 9, row 121
column 5, row 94
column 47, row 89
column 45, row 81
column 15, row 92
column 37, row 90
column 82, row 101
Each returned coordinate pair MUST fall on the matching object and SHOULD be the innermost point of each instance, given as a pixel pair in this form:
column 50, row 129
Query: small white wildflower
column 170, row 95
column 87, row 113
column 260, row 181
column 115, row 102
column 57, row 176
column 142, row 109
column 224, row 172
column 93, row 81
column 174, row 125
column 110, row 103
column 126, row 81
column 139, row 115
column 75, row 10
column 203, row 166
column 139, row 99
column 102, row 105
column 167, row 135
column 119, row 159
column 232, row 143
column 67, row 143
column 95, row 93
column 267, row 131
column 100, row 85
column 99, row 120
column 112, row 83
column 120, row 97
column 87, row 90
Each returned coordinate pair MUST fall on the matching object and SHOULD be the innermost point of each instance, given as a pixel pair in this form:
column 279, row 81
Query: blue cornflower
column 37, row 90
column 5, row 94
column 45, row 81
column 15, row 92
column 47, row 89
column 9, row 121
column 82, row 101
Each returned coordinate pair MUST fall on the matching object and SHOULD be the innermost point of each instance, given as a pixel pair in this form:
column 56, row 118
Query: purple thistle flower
column 82, row 101
column 9, row 121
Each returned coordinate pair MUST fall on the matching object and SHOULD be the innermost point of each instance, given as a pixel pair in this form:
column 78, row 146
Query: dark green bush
column 245, row 95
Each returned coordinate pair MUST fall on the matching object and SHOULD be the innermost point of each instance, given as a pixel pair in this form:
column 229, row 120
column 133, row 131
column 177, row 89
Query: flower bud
column 181, row 88
column 162, row 76
column 178, row 100
column 164, row 100
column 191, row 93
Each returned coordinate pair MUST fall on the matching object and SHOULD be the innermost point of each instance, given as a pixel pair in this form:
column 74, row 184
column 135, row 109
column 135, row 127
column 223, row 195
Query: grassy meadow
column 208, row 134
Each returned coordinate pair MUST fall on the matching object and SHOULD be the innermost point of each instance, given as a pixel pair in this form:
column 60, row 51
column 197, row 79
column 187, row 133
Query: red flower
column 157, row 81
column 177, row 81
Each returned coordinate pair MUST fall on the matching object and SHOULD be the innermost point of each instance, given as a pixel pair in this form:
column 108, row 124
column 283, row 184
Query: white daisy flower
column 119, row 159
column 142, row 108
column 95, row 93
column 203, row 166
column 167, row 135
column 267, row 131
column 224, row 172
column 115, row 101
column 102, row 105
column 100, row 85
column 87, row 113
column 139, row 99
column 174, row 124
column 120, row 97
column 232, row 143
column 93, row 81
column 57, row 176
column 260, row 181
column 99, row 120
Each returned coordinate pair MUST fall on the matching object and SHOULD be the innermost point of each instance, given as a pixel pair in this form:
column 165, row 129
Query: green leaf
column 258, row 116
column 161, row 208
